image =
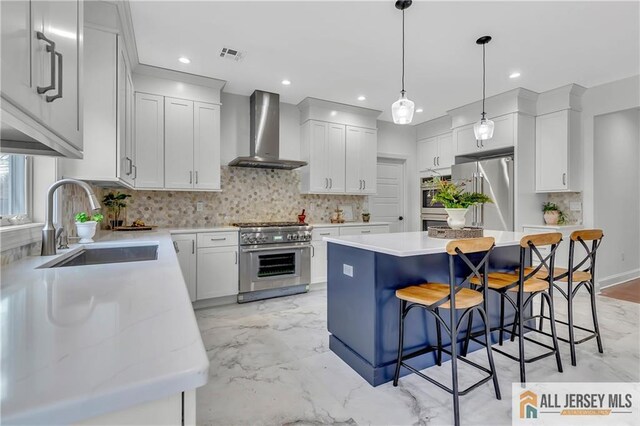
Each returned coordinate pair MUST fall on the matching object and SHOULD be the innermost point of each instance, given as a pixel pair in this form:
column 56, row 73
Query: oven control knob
column 263, row 239
column 252, row 240
column 289, row 237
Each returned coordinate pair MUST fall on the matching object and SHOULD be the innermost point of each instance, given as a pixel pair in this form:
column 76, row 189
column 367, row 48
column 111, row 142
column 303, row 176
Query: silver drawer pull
column 325, row 233
column 175, row 246
column 218, row 239
column 299, row 247
column 365, row 232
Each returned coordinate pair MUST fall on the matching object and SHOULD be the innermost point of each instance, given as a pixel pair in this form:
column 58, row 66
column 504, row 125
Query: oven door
column 274, row 266
column 433, row 220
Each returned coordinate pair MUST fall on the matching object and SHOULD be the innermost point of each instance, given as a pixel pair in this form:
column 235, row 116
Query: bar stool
column 533, row 285
column 431, row 297
column 584, row 277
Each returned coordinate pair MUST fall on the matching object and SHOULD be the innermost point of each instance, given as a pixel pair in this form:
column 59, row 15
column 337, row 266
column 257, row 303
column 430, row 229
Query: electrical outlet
column 347, row 270
column 199, row 206
column 575, row 206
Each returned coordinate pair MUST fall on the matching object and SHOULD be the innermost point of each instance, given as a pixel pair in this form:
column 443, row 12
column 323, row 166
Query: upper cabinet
column 149, row 141
column 41, row 75
column 206, row 145
column 108, row 113
column 340, row 144
column 558, row 165
column 465, row 141
column 435, row 153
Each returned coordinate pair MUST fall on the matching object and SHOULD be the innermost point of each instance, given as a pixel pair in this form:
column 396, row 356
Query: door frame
column 402, row 161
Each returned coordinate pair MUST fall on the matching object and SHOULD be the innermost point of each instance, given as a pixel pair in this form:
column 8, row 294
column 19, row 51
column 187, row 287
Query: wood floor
column 629, row 291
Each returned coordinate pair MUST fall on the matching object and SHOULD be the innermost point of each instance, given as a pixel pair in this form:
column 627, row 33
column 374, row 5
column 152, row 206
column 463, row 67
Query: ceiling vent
column 232, row 54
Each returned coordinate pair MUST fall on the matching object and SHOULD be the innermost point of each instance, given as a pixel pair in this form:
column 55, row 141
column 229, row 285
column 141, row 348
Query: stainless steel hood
column 264, row 142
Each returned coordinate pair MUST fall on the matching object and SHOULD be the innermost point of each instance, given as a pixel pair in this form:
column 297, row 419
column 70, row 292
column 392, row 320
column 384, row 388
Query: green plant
column 453, row 196
column 115, row 202
column 83, row 217
column 553, row 207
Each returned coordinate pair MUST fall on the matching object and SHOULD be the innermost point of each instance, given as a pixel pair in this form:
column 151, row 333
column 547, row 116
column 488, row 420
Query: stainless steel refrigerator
column 493, row 177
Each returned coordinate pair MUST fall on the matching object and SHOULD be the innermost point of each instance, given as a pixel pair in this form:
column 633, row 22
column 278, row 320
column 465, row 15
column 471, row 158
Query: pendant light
column 483, row 129
column 402, row 109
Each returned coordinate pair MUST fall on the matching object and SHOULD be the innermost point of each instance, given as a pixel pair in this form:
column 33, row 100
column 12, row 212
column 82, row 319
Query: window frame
column 28, row 194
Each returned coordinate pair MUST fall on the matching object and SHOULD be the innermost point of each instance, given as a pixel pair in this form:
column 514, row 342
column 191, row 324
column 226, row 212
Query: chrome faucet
column 49, row 231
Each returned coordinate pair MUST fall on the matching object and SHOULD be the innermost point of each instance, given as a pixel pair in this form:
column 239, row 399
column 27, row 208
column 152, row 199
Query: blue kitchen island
column 364, row 271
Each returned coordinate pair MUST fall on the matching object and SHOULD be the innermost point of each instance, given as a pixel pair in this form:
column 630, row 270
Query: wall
column 617, row 194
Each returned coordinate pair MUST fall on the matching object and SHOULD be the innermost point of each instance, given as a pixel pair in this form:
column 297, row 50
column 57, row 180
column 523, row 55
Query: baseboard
column 616, row 279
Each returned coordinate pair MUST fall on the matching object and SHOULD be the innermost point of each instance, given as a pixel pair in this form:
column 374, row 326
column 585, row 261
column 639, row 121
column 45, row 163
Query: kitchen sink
column 102, row 255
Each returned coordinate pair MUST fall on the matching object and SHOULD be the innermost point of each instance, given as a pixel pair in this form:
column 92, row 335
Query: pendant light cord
column 483, row 78
column 403, row 52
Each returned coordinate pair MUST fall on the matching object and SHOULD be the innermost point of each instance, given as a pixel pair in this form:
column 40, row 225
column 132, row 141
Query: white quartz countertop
column 82, row 341
column 328, row 225
column 556, row 227
column 404, row 244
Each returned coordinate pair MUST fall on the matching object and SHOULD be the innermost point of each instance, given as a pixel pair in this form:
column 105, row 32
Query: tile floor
column 271, row 365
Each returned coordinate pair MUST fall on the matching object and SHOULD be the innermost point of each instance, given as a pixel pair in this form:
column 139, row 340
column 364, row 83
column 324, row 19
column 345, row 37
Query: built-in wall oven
column 431, row 214
column 275, row 260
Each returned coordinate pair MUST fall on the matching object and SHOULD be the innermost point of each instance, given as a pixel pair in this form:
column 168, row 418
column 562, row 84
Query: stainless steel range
column 275, row 259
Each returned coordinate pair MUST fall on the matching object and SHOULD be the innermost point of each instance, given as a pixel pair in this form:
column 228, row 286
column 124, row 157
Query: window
column 14, row 188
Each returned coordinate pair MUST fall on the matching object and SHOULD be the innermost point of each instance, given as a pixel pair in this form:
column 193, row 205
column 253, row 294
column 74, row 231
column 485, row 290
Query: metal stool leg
column 541, row 314
column 454, row 369
column 403, row 305
column 572, row 340
column 492, row 367
column 596, row 328
column 439, row 337
column 520, row 315
column 552, row 322
column 465, row 346
column 516, row 320
column 502, row 296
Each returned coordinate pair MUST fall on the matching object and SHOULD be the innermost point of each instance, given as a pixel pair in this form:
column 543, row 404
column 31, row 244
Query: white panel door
column 217, row 272
column 353, row 159
column 388, row 203
column 318, row 156
column 185, row 246
column 149, row 141
column 445, row 151
column 335, row 157
column 178, row 144
column 206, row 145
column 369, row 160
column 552, row 145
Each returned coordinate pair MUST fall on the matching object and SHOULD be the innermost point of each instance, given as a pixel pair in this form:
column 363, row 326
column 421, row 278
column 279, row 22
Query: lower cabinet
column 217, row 272
column 185, row 246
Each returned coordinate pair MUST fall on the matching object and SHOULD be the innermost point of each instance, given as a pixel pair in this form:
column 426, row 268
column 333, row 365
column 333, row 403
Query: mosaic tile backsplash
column 564, row 200
column 248, row 195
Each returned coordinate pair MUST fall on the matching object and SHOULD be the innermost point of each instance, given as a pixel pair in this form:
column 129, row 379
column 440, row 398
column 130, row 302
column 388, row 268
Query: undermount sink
column 101, row 255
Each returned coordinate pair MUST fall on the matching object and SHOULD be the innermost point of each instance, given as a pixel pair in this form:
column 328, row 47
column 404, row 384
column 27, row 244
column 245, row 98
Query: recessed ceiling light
column 184, row 60
column 419, row 110
column 514, row 75
column 362, row 98
column 334, row 113
column 286, row 82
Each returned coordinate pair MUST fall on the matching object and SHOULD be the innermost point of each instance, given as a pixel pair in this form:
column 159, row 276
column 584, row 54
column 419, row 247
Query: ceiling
column 340, row 50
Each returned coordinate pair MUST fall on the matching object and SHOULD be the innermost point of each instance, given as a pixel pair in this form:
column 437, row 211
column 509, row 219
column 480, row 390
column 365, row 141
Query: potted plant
column 552, row 214
column 86, row 226
column 115, row 202
column 456, row 201
column 366, row 216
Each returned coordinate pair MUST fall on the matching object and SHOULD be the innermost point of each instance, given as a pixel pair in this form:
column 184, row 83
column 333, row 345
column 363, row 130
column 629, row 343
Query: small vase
column 551, row 217
column 366, row 217
column 456, row 219
column 86, row 231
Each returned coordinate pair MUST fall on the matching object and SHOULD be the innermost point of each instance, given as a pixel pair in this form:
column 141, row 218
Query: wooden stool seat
column 578, row 276
column 429, row 293
column 500, row 280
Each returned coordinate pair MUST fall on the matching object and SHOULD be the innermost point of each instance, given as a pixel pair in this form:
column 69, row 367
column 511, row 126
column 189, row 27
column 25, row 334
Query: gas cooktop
column 267, row 224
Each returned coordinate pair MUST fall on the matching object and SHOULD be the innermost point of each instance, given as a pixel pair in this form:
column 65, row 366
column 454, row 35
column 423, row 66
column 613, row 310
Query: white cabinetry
column 558, row 152
column 108, row 113
column 185, row 246
column 206, row 146
column 436, row 152
column 178, row 143
column 149, row 141
column 364, row 229
column 42, row 71
column 323, row 148
column 217, row 272
column 504, row 136
column 361, row 160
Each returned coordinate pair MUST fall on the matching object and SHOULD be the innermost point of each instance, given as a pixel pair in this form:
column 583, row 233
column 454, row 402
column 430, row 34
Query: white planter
column 456, row 219
column 86, row 231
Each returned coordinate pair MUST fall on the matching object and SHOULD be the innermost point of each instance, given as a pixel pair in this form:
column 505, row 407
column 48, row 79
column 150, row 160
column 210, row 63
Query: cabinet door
column 465, row 140
column 217, row 272
column 148, row 171
column 185, row 246
column 353, row 176
column 369, row 161
column 129, row 147
column 445, row 151
column 552, row 145
column 206, row 145
column 63, row 25
column 318, row 262
column 318, row 156
column 503, row 133
column 125, row 162
column 335, row 157
column 178, row 144
column 427, row 153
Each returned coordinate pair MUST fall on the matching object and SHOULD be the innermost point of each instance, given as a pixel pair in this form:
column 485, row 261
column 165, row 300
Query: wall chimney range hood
column 264, row 143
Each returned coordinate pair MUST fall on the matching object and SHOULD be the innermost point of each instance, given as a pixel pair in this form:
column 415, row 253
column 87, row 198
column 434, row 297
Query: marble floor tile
column 271, row 365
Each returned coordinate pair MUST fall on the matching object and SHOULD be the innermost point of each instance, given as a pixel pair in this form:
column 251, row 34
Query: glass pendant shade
column 483, row 129
column 402, row 110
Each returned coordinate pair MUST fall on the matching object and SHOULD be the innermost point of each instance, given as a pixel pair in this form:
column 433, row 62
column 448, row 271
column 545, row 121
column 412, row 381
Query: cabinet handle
column 434, row 161
column 193, row 246
column 438, row 157
column 364, row 184
column 60, row 68
column 325, row 233
column 313, row 251
column 190, row 177
column 236, row 256
column 477, row 143
column 330, row 183
column 130, row 165
column 564, row 178
column 135, row 171
column 218, row 239
column 326, row 183
column 175, row 246
column 51, row 48
column 365, row 232
column 196, row 177
column 360, row 187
